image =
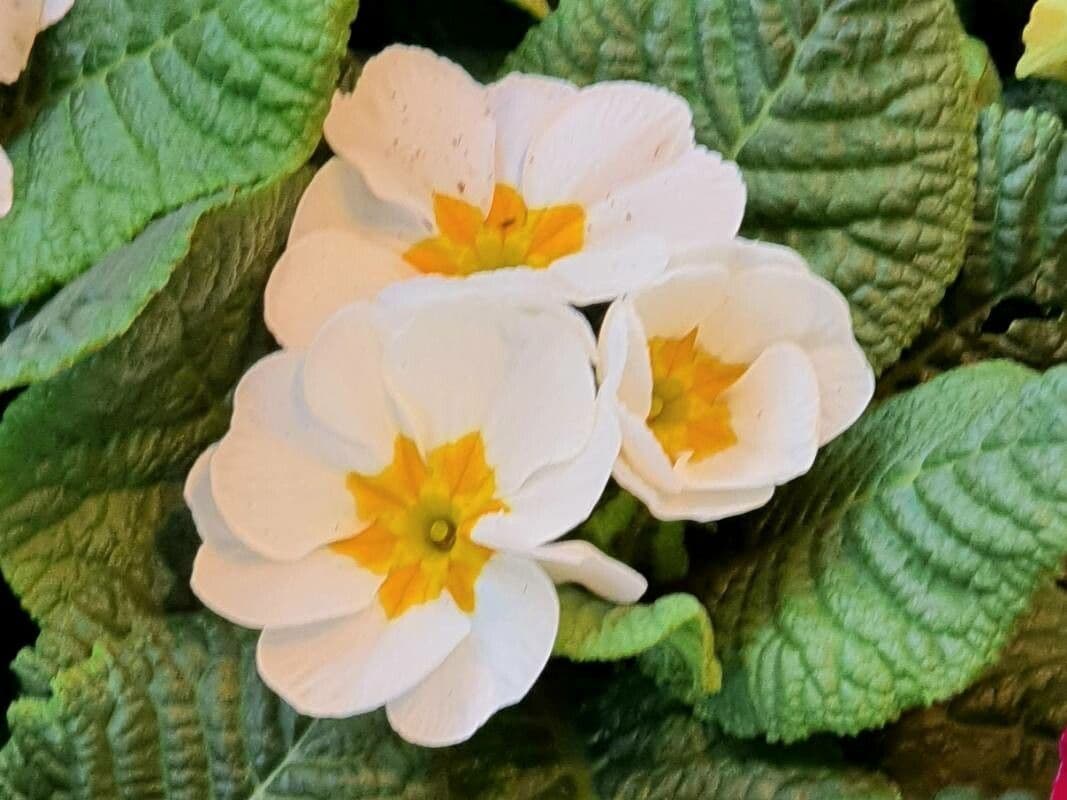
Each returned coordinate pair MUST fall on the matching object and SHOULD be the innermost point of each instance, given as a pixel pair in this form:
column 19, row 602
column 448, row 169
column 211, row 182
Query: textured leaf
column 1002, row 734
column 851, row 119
column 92, row 461
column 140, row 106
column 890, row 576
column 102, row 303
column 180, row 713
column 1011, row 299
column 672, row 637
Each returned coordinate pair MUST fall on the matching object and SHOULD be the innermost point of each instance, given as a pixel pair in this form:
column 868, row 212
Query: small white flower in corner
column 530, row 182
column 731, row 371
column 386, row 502
column 20, row 22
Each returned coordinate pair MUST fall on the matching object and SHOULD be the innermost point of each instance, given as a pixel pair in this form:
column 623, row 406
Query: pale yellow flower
column 1046, row 42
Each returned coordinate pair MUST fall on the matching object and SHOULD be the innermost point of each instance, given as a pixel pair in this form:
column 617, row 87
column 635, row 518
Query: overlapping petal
column 385, row 502
column 426, row 158
column 755, row 367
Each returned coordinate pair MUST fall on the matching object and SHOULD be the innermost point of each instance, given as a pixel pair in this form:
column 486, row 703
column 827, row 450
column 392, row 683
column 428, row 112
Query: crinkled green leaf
column 672, row 637
column 622, row 527
column 179, row 712
column 1011, row 298
column 92, row 461
column 890, row 575
column 1002, row 733
column 140, row 106
column 102, row 303
column 851, row 119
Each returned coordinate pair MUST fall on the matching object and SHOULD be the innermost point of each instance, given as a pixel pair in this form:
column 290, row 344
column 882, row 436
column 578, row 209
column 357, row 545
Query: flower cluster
column 387, row 502
column 20, row 22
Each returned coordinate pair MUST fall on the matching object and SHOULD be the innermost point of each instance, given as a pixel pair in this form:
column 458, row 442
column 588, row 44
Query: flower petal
column 7, row 184
column 606, row 136
column 580, row 562
column 416, row 124
column 512, row 633
column 557, row 499
column 522, row 106
column 739, row 254
column 54, row 11
column 690, row 504
column 681, row 300
column 321, row 273
column 1045, row 42
column 623, row 351
column 338, row 198
column 696, row 199
column 344, row 387
column 774, row 411
column 600, row 274
column 355, row 664
column 543, row 409
column 846, row 386
column 765, row 305
column 256, row 592
column 19, row 24
column 209, row 523
column 514, row 284
column 444, row 367
column 645, row 454
column 278, row 496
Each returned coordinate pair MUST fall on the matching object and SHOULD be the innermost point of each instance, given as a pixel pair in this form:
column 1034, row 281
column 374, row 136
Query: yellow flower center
column 512, row 235
column 688, row 413
column 420, row 515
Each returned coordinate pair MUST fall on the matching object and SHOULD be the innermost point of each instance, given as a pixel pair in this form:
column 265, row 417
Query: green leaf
column 141, row 106
column 622, row 527
column 92, row 461
column 980, row 68
column 1011, row 299
column 852, row 121
column 672, row 638
column 102, row 303
column 179, row 712
column 890, row 575
column 1002, row 733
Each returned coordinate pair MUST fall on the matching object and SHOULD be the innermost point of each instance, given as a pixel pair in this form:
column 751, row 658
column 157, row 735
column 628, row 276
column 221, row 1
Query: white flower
column 528, row 181
column 20, row 22
column 385, row 503
column 732, row 370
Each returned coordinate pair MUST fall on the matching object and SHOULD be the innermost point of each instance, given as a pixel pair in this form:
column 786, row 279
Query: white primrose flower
column 385, row 505
column 529, row 181
column 736, row 366
column 20, row 22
